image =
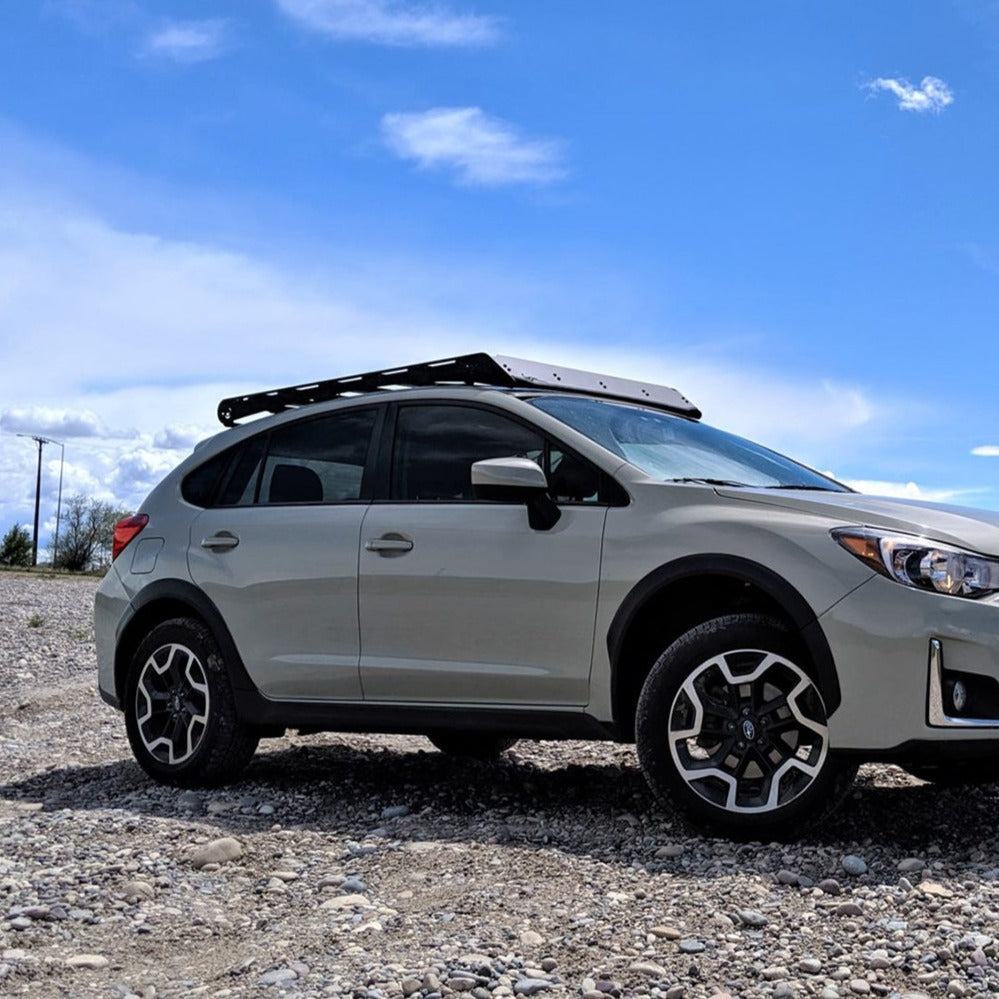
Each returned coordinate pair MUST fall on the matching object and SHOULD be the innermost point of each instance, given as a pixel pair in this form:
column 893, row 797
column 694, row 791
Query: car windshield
column 674, row 449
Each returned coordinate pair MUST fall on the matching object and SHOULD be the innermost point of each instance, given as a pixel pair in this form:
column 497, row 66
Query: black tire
column 956, row 774
column 180, row 712
column 471, row 745
column 762, row 744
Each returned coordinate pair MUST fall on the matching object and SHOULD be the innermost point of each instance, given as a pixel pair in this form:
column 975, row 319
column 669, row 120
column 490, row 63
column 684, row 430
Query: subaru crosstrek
column 481, row 549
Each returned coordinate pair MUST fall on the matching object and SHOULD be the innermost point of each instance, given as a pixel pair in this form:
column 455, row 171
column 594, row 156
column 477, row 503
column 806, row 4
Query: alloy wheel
column 172, row 704
column 747, row 731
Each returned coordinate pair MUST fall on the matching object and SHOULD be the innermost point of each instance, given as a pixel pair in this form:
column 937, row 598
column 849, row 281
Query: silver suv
column 484, row 548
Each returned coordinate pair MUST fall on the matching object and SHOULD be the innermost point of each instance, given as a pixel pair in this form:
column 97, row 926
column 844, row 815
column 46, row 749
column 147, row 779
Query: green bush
column 15, row 548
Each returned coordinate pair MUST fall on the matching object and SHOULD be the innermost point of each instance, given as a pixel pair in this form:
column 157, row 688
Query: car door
column 460, row 600
column 277, row 553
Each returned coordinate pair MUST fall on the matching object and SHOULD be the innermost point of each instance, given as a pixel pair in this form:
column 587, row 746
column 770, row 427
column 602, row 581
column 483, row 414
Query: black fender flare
column 180, row 593
column 798, row 610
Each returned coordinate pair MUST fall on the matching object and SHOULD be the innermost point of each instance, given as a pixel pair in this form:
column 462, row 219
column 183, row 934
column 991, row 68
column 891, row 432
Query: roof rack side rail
column 467, row 369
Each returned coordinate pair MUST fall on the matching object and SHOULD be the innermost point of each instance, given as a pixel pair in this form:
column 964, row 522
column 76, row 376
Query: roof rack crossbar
column 468, row 369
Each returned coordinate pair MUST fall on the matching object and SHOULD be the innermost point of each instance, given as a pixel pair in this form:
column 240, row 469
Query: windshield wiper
column 709, row 482
column 792, row 485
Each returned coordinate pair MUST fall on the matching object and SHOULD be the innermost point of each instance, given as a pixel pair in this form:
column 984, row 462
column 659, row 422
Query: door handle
column 220, row 542
column 389, row 545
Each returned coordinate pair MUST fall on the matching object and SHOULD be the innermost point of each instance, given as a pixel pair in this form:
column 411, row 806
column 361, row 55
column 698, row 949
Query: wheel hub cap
column 747, row 731
column 172, row 703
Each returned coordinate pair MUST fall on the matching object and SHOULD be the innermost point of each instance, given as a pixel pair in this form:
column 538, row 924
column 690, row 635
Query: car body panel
column 483, row 609
column 288, row 592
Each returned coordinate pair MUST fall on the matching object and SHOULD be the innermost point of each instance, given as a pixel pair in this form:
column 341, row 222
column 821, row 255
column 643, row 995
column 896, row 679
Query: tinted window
column 199, row 486
column 318, row 460
column 239, row 486
column 435, row 447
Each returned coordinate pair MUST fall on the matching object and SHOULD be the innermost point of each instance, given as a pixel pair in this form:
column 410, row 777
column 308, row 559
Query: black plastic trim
column 317, row 716
column 183, row 592
column 929, row 751
column 745, row 570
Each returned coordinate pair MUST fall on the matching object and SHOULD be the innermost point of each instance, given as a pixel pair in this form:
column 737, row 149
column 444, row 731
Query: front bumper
column 894, row 649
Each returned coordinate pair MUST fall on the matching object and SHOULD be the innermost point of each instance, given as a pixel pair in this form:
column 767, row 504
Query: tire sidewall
column 671, row 670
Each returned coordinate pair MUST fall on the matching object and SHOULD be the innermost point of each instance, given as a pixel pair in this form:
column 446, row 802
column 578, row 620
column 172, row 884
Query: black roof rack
column 469, row 369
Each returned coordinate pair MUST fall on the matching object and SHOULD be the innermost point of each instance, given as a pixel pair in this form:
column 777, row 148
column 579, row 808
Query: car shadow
column 603, row 810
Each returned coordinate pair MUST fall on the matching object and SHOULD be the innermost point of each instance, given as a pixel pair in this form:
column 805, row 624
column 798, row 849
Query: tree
column 15, row 548
column 86, row 534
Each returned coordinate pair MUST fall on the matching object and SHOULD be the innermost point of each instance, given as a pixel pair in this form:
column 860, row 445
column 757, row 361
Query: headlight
column 922, row 563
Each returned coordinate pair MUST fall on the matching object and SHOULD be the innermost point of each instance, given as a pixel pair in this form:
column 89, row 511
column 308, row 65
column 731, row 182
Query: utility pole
column 41, row 442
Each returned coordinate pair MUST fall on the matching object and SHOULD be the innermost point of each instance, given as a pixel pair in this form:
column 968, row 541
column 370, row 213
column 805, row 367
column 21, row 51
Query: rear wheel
column 180, row 712
column 473, row 745
column 731, row 729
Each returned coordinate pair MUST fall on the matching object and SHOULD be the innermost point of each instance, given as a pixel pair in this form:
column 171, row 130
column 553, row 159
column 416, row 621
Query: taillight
column 125, row 530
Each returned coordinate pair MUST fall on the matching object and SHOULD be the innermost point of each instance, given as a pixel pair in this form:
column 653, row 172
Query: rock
column 830, row 886
column 810, row 966
column 751, row 917
column 219, row 851
column 20, row 923
column 853, row 865
column 676, row 992
column 910, row 865
column 549, row 964
column 666, row 932
column 848, row 909
column 92, row 962
column 280, row 977
column 649, row 969
column 934, row 890
column 459, row 983
column 787, row 878
column 774, row 973
column 395, row 811
column 691, row 946
column 530, row 938
column 346, row 902
column 861, row 986
column 410, row 985
column 670, row 851
column 530, row 986
column 956, row 989
column 138, row 890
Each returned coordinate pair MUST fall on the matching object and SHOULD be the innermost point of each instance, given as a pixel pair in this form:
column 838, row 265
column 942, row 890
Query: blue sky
column 787, row 210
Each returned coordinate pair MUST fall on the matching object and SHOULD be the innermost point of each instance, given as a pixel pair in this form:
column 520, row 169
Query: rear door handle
column 389, row 545
column 220, row 542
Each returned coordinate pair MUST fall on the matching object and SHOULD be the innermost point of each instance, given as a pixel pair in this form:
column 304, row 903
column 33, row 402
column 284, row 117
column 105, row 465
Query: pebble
column 691, row 946
column 218, row 851
column 861, row 986
column 853, row 865
column 531, row 986
column 91, row 962
column 830, row 886
column 810, row 966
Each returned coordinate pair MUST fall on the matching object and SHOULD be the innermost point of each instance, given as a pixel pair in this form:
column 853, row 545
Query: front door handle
column 220, row 542
column 390, row 544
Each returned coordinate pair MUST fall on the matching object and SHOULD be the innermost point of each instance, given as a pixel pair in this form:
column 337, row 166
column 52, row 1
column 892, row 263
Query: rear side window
column 321, row 460
column 199, row 486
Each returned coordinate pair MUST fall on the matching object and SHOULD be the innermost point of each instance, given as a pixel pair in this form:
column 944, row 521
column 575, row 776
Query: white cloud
column 932, row 94
column 482, row 150
column 178, row 436
column 392, row 22
column 49, row 422
column 188, row 41
column 986, row 451
column 906, row 490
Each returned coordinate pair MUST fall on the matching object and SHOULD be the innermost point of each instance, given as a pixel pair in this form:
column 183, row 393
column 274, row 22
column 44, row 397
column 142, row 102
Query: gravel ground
column 375, row 867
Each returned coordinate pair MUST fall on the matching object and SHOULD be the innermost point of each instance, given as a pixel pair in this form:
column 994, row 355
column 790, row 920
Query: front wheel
column 180, row 712
column 731, row 729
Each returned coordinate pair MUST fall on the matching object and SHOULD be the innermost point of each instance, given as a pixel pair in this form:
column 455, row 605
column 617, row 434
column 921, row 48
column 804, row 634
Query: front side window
column 436, row 446
column 673, row 449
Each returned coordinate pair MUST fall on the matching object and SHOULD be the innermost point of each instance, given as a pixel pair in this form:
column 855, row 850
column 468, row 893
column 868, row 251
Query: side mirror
column 517, row 480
